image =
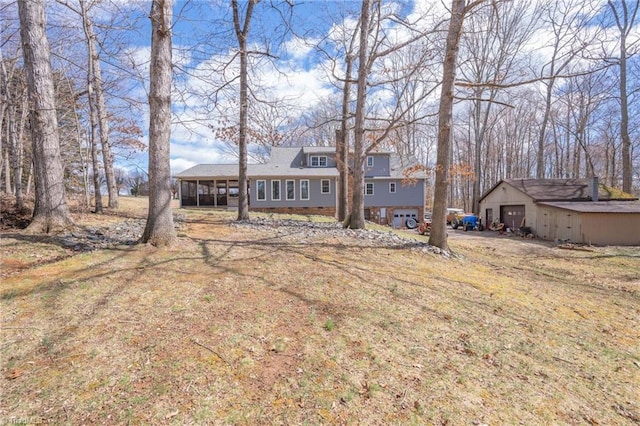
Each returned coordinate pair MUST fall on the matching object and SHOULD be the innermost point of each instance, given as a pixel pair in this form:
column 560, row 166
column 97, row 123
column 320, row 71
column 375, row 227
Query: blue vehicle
column 468, row 222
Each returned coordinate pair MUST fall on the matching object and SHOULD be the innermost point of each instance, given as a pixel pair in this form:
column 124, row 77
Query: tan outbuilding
column 572, row 210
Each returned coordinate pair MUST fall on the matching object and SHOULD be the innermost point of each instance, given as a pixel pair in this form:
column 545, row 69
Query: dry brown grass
column 231, row 326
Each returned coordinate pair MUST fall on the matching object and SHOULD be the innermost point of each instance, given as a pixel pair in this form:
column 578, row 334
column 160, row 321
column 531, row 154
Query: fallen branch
column 210, row 350
column 563, row 360
column 574, row 247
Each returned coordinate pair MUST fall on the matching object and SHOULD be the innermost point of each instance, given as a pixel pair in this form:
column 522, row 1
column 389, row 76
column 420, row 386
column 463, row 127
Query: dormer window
column 318, row 161
column 370, row 161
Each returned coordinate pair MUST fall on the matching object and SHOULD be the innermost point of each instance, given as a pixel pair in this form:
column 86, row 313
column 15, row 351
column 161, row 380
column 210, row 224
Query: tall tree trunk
column 17, row 146
column 4, row 101
column 51, row 213
column 93, row 121
column 540, row 166
column 625, row 21
column 342, row 144
column 242, row 32
column 7, row 169
column 82, row 155
column 357, row 205
column 95, row 162
column 100, row 104
column 438, row 235
column 159, row 229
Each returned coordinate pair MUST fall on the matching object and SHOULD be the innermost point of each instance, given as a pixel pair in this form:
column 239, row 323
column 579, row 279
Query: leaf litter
column 253, row 325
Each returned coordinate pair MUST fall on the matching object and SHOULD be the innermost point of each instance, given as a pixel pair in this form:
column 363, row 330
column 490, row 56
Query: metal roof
column 596, row 206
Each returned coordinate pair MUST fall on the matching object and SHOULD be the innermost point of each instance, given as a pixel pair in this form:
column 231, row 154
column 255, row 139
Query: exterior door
column 512, row 216
column 488, row 217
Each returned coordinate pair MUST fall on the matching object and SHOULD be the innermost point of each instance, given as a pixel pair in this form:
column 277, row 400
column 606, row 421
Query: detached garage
column 599, row 222
column 576, row 210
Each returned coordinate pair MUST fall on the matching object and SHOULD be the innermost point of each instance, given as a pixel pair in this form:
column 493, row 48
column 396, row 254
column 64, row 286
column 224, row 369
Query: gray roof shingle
column 288, row 162
column 563, row 190
column 596, row 206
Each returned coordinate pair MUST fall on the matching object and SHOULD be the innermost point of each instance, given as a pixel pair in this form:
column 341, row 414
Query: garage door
column 401, row 215
column 512, row 216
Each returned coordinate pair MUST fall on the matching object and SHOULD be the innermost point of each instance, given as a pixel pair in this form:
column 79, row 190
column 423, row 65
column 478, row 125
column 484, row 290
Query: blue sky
column 203, row 36
column 203, row 39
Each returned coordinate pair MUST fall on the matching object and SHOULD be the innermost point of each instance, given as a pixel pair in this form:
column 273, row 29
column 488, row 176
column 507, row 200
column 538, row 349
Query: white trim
column 322, row 191
column 264, row 190
column 302, row 197
column 370, row 161
column 395, row 187
column 279, row 186
column 286, row 189
column 319, row 160
column 366, row 185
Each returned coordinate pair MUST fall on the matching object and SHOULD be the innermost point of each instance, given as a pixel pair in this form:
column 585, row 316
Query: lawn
column 237, row 325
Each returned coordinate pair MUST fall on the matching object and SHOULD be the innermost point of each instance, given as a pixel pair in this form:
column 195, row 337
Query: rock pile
column 305, row 231
column 130, row 231
column 93, row 238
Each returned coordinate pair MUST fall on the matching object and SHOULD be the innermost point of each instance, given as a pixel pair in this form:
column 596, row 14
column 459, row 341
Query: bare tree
column 625, row 14
column 14, row 103
column 241, row 26
column 364, row 67
column 373, row 124
column 492, row 43
column 342, row 142
column 345, row 41
column 438, row 235
column 96, row 85
column 566, row 18
column 51, row 212
column 159, row 230
column 97, row 103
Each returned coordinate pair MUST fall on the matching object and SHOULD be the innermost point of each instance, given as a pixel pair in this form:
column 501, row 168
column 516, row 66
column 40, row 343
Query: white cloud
column 299, row 48
column 180, row 164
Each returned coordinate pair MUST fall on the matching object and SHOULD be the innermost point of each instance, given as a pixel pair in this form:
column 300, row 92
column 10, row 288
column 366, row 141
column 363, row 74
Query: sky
column 295, row 73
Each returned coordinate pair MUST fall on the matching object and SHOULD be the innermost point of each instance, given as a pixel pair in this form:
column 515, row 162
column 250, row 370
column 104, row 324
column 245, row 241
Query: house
column 576, row 210
column 304, row 180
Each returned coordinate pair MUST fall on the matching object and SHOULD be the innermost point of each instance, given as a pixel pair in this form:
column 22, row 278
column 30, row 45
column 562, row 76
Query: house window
column 325, row 185
column 392, row 187
column 275, row 190
column 370, row 161
column 368, row 188
column 262, row 190
column 304, row 189
column 291, row 190
column 318, row 161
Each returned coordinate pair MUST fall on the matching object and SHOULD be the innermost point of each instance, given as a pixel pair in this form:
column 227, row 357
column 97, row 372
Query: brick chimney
column 594, row 188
